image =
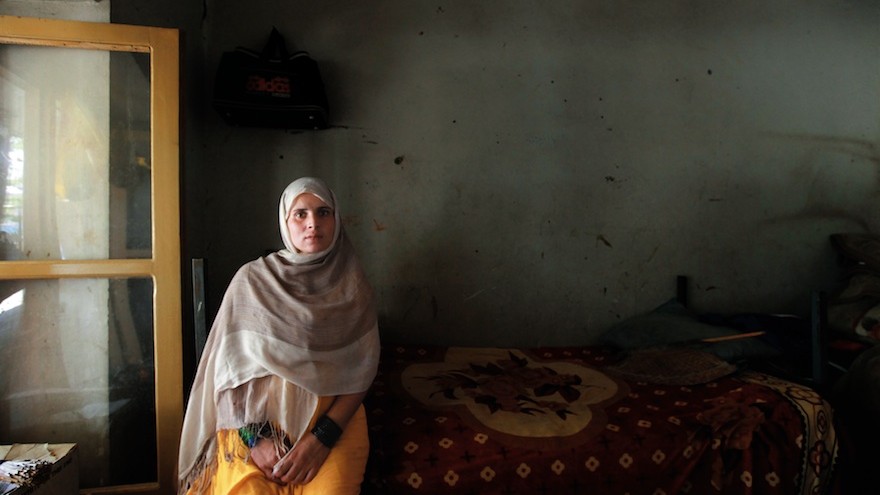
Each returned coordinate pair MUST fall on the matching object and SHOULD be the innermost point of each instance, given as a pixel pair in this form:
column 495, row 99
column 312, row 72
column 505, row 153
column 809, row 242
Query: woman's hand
column 301, row 465
column 265, row 457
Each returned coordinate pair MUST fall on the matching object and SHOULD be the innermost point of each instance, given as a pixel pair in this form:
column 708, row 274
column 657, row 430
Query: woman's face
column 311, row 224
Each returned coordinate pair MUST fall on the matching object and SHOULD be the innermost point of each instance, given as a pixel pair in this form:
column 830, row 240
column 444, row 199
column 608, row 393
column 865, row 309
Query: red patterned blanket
column 561, row 420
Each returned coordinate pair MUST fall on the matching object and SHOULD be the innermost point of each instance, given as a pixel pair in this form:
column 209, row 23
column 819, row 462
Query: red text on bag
column 278, row 86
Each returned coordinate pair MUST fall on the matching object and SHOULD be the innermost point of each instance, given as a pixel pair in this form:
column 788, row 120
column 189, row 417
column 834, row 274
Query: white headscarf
column 318, row 188
column 292, row 327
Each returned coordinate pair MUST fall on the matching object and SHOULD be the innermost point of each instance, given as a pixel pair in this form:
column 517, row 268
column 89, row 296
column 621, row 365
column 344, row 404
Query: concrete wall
column 524, row 172
column 73, row 10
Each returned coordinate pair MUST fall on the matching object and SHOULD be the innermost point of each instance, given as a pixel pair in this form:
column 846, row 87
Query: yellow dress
column 341, row 474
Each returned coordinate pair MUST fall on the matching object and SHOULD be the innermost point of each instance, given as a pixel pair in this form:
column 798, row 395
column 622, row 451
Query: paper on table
column 29, row 452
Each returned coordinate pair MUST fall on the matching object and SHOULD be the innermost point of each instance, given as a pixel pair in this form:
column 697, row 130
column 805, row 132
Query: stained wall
column 524, row 172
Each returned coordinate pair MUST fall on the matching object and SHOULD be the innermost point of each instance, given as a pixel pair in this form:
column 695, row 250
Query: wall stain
column 601, row 238
column 857, row 149
column 813, row 213
column 477, row 293
column 378, row 227
column 653, row 253
column 351, row 220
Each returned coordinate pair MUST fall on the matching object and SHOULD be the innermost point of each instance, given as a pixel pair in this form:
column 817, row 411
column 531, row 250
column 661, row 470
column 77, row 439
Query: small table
column 63, row 478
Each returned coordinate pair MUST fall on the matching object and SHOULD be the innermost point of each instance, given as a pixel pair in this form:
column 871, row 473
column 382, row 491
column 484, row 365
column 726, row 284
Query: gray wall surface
column 529, row 173
column 524, row 172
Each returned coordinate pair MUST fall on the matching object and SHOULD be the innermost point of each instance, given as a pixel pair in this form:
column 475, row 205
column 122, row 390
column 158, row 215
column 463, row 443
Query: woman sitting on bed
column 276, row 402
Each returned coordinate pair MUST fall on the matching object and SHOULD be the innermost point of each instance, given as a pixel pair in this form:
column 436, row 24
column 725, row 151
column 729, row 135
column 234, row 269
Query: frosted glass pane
column 74, row 154
column 77, row 367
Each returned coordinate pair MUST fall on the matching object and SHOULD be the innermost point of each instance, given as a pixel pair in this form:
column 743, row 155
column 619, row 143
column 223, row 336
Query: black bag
column 265, row 90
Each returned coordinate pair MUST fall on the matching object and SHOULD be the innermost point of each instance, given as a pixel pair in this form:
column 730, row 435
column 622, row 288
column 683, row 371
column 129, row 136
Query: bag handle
column 274, row 45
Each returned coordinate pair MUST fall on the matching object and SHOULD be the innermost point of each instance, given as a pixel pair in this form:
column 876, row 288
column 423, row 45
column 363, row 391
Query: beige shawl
column 291, row 327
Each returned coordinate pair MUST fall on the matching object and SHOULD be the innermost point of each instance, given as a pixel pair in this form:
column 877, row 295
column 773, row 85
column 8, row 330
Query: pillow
column 858, row 248
column 861, row 317
column 672, row 323
column 855, row 306
column 677, row 366
column 857, row 388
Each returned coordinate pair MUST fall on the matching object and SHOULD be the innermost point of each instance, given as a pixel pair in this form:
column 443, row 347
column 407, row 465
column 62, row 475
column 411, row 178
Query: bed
column 567, row 420
column 652, row 418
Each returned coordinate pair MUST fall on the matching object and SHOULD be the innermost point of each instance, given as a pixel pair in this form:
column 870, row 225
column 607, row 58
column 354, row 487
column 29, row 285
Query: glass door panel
column 77, row 360
column 74, row 154
column 90, row 300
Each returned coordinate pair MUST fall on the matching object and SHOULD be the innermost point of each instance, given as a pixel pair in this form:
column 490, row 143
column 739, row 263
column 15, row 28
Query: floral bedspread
column 555, row 420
